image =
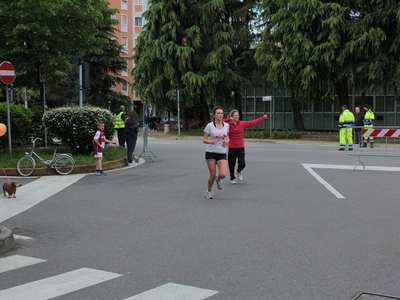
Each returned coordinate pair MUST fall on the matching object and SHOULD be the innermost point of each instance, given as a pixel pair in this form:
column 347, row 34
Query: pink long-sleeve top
column 236, row 131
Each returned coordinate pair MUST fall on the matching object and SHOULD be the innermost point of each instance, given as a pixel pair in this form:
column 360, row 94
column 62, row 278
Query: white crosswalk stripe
column 65, row 283
column 172, row 291
column 57, row 285
column 31, row 194
column 17, row 261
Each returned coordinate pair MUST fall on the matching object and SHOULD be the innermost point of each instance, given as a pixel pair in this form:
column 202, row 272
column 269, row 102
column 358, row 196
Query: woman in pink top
column 236, row 142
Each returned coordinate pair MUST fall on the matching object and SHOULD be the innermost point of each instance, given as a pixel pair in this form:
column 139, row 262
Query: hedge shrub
column 23, row 122
column 76, row 126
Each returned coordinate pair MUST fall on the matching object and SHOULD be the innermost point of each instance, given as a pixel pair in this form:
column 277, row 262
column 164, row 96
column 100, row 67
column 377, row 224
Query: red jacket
column 236, row 131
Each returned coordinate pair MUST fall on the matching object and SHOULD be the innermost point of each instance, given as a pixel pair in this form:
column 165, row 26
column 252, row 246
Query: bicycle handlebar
column 34, row 140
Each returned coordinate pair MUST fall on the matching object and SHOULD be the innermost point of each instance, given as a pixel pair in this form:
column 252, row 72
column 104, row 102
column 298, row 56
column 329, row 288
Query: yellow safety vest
column 369, row 119
column 119, row 123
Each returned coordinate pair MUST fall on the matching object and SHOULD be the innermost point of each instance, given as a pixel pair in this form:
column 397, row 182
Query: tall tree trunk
column 205, row 112
column 183, row 113
column 297, row 118
column 342, row 91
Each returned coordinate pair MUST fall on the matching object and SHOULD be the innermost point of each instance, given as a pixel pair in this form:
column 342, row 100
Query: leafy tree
column 317, row 49
column 189, row 46
column 374, row 42
column 49, row 34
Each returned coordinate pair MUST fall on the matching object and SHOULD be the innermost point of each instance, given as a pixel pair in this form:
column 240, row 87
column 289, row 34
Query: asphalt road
column 301, row 225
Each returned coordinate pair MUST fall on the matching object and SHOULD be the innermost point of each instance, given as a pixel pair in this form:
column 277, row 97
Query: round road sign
column 7, row 72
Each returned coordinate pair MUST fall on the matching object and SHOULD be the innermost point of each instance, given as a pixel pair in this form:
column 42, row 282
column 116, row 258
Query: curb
column 109, row 165
column 7, row 242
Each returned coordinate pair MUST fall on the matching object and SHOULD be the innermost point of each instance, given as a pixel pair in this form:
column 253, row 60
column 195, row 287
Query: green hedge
column 23, row 122
column 76, row 126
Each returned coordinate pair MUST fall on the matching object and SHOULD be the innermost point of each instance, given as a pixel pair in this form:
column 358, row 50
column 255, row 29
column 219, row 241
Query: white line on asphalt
column 172, row 291
column 34, row 192
column 323, row 182
column 17, row 261
column 346, row 167
column 22, row 237
column 309, row 168
column 57, row 285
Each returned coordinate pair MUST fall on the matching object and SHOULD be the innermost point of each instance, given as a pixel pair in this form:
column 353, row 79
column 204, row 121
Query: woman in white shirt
column 217, row 139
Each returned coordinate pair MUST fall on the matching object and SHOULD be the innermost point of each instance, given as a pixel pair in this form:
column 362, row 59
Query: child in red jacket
column 99, row 142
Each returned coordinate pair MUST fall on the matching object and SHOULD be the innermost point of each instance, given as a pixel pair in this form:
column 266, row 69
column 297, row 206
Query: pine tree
column 187, row 45
column 317, row 49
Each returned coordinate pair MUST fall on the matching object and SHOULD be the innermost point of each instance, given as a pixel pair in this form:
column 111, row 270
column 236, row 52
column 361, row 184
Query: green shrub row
column 276, row 134
column 75, row 126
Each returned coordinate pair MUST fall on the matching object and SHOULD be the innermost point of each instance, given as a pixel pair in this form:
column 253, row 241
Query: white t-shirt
column 219, row 134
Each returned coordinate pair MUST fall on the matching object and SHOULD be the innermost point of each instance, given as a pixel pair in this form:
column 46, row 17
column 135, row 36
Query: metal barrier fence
column 385, row 143
column 145, row 145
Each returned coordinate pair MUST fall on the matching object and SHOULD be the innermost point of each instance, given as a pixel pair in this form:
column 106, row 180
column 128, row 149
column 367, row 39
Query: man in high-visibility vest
column 346, row 121
column 369, row 119
column 119, row 125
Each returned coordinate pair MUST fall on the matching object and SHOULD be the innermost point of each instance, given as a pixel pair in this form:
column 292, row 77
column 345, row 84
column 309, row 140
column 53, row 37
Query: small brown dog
column 10, row 187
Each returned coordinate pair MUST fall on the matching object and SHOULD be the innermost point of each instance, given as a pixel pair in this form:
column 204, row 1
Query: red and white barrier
column 375, row 132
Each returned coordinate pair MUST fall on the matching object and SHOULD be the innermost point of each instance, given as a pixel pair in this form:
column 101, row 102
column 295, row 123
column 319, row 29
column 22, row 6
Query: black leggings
column 233, row 154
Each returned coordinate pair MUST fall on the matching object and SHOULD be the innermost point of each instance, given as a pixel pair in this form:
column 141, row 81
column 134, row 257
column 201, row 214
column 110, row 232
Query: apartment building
column 130, row 26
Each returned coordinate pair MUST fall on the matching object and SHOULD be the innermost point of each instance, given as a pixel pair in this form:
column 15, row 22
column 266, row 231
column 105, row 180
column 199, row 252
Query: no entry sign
column 7, row 72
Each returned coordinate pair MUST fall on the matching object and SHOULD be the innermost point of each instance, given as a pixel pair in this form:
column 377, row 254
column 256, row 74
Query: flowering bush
column 76, row 126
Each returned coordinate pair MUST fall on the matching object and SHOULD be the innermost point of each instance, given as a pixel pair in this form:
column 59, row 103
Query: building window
column 125, row 72
column 138, row 2
column 124, row 4
column 138, row 22
column 125, row 88
column 124, row 23
column 124, row 44
column 114, row 17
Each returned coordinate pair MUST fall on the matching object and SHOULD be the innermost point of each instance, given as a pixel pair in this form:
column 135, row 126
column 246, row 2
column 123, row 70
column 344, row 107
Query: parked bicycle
column 63, row 163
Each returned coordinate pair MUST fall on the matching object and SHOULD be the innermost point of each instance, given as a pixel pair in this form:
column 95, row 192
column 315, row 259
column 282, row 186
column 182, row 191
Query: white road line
column 22, row 237
column 57, row 285
column 17, row 261
column 33, row 193
column 323, row 182
column 346, row 167
column 172, row 291
column 309, row 168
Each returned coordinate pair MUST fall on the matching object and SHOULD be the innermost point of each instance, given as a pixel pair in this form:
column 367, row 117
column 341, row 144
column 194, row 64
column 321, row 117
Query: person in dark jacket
column 359, row 117
column 131, row 131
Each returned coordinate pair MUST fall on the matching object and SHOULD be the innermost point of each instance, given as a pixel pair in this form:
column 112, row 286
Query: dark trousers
column 233, row 155
column 131, row 145
column 357, row 136
column 121, row 136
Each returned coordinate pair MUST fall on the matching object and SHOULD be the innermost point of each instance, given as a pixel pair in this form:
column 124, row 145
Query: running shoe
column 103, row 173
column 97, row 173
column 209, row 195
column 219, row 183
column 240, row 176
column 133, row 164
column 233, row 181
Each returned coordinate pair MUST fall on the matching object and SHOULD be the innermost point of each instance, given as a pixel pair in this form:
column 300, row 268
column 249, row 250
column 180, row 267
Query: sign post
column 269, row 99
column 7, row 76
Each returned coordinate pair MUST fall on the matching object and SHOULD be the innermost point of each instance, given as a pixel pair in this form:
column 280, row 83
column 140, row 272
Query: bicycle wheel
column 26, row 166
column 64, row 164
